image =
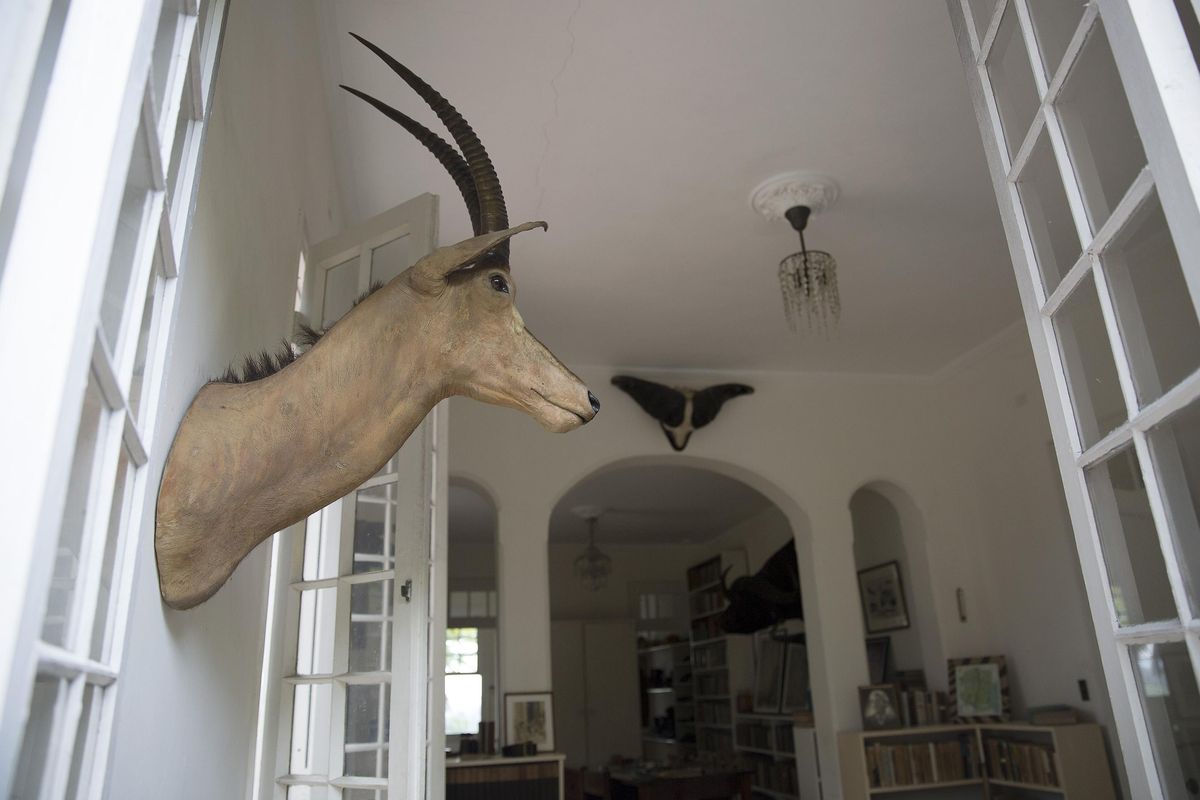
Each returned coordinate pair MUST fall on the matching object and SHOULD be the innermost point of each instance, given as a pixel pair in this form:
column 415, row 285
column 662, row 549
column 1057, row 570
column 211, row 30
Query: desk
column 681, row 785
column 473, row 777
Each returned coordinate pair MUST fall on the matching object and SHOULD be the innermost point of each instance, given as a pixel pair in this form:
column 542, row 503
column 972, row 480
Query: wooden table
column 681, row 785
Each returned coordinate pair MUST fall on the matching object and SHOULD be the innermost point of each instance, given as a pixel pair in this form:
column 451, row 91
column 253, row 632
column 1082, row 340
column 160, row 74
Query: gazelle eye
column 498, row 283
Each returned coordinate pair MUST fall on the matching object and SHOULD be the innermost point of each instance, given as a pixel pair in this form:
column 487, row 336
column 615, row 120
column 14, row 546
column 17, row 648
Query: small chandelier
column 593, row 567
column 807, row 279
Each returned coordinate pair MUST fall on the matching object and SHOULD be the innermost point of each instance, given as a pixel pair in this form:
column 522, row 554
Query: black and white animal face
column 680, row 411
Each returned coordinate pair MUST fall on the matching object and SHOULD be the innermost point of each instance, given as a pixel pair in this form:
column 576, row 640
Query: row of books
column 704, row 574
column 922, row 763
column 713, row 711
column 923, row 707
column 778, row 776
column 707, row 628
column 1023, row 762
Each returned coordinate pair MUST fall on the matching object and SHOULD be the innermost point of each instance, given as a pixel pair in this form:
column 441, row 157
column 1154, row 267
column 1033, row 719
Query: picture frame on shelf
column 882, row 594
column 979, row 689
column 878, row 648
column 795, row 679
column 770, row 658
column 880, row 707
column 529, row 717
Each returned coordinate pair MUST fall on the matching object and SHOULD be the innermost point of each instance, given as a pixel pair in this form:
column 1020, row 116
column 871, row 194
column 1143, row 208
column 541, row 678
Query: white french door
column 358, row 697
column 1090, row 117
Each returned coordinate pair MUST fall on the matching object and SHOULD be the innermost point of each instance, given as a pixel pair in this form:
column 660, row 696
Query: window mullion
column 1074, row 48
column 1160, row 513
column 1023, row 153
column 1175, row 399
column 989, row 36
column 1129, row 204
column 1074, row 192
column 1075, row 276
column 1115, row 339
column 185, row 31
column 62, row 741
column 1032, row 49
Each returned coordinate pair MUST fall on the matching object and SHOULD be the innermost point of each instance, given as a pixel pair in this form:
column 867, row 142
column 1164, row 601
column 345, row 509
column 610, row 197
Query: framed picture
column 979, row 689
column 529, row 717
column 882, row 595
column 795, row 679
column 880, row 707
column 877, row 658
column 768, row 674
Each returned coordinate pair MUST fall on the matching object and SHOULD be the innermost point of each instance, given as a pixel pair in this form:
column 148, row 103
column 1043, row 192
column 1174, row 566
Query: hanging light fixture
column 593, row 567
column 807, row 279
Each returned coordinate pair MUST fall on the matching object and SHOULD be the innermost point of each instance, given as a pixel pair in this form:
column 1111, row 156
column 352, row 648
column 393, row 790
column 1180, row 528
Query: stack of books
column 1021, row 762
column 922, row 763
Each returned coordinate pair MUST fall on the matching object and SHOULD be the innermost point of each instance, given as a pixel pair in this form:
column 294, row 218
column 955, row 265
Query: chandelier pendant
column 593, row 567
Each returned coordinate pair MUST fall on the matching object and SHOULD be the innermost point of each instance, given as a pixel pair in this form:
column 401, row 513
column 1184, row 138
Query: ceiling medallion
column 807, row 279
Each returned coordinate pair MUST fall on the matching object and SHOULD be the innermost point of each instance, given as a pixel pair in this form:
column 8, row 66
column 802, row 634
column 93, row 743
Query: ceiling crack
column 554, row 117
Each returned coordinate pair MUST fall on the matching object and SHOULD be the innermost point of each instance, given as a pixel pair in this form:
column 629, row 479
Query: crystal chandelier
column 808, row 280
column 593, row 567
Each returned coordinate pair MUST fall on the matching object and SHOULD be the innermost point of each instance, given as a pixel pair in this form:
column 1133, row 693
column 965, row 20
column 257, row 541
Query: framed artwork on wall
column 884, row 608
column 979, row 689
column 529, row 717
column 795, row 679
column 880, row 707
column 877, row 658
column 768, row 673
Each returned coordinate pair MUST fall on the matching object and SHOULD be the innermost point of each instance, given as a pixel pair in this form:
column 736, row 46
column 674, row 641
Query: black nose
column 595, row 403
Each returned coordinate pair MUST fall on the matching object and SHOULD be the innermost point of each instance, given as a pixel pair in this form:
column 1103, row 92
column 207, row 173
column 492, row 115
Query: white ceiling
column 638, row 129
column 656, row 505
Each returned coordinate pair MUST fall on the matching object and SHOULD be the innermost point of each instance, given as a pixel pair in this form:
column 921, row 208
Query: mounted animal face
column 260, row 451
column 766, row 598
column 680, row 411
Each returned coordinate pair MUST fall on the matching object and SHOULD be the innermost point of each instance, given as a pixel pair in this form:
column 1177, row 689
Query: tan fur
column 252, row 459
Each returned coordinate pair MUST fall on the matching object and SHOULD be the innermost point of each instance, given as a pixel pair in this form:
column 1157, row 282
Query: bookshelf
column 711, row 696
column 666, row 683
column 996, row 761
column 767, row 744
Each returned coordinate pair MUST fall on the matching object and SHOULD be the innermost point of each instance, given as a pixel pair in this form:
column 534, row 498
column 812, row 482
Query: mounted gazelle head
column 498, row 360
column 259, row 452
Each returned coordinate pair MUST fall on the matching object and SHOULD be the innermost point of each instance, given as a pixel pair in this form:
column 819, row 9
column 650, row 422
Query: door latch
column 406, row 590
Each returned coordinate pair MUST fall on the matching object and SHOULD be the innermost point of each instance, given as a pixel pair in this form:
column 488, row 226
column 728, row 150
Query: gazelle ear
column 428, row 275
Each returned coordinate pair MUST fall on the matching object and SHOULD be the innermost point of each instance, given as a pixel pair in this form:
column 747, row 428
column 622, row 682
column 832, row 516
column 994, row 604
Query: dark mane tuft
column 265, row 364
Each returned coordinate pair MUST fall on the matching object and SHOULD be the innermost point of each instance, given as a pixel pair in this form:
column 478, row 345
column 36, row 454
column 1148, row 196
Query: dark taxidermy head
column 680, row 411
column 765, row 598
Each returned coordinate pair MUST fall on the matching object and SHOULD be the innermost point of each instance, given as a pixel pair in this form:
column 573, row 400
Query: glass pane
column 464, row 703
column 106, row 600
column 126, row 257
column 1175, row 449
column 1012, row 81
column 1154, row 307
column 390, row 467
column 320, row 548
column 374, row 528
column 311, row 708
column 183, row 128
column 81, row 756
column 367, row 715
column 75, row 505
column 314, row 641
column 1054, row 23
column 981, row 11
column 35, row 747
column 1167, row 686
column 370, row 626
column 1105, row 149
column 137, row 382
column 458, row 604
column 1091, row 373
column 341, row 289
column 364, row 794
column 1051, row 227
column 1137, row 575
column 462, row 650
column 389, row 260
column 164, row 50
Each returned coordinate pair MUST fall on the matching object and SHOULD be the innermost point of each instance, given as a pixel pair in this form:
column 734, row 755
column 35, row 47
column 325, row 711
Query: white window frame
column 1159, row 75
column 93, row 101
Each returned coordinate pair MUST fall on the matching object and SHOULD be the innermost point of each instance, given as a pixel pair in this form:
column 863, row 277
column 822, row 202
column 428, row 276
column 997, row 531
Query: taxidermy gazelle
column 258, row 452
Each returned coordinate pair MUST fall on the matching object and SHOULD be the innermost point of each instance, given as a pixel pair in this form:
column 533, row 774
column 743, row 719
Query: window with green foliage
column 464, row 684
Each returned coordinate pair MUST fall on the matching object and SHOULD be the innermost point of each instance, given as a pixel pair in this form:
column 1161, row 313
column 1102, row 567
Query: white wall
column 634, row 563
column 965, row 450
column 186, row 708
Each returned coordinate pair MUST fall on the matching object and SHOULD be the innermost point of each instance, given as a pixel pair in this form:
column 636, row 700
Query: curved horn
column 443, row 150
column 492, row 212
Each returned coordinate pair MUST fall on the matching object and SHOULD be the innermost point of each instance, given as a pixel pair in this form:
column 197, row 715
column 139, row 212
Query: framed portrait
column 880, row 707
column 877, row 658
column 979, row 689
column 795, row 679
column 768, row 673
column 884, row 608
column 529, row 717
